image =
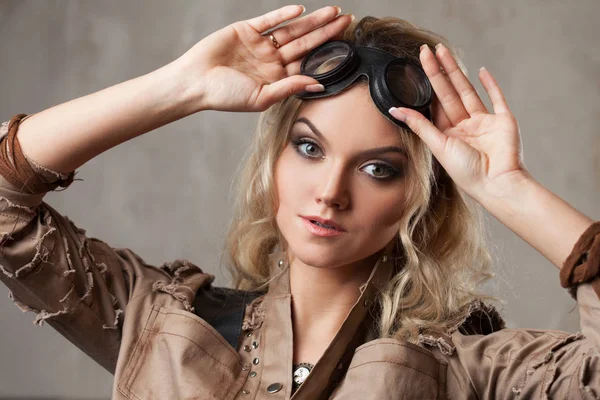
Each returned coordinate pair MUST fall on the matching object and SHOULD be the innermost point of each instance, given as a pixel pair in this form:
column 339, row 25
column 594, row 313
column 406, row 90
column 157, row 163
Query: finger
column 440, row 119
column 462, row 86
column 304, row 44
column 271, row 19
column 451, row 103
column 302, row 26
column 420, row 125
column 493, row 90
column 293, row 68
column 284, row 88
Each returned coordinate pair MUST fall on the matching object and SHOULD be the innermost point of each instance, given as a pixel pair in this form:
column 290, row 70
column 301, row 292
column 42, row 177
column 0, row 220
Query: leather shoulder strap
column 223, row 309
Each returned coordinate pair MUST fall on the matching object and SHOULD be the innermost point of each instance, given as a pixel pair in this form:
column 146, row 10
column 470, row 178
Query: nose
column 333, row 190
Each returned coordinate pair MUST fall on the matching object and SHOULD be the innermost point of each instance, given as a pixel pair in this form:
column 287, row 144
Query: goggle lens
column 407, row 84
column 326, row 60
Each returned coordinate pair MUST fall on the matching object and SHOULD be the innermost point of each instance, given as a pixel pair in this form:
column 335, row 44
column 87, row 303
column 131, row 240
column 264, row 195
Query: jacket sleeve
column 527, row 364
column 78, row 285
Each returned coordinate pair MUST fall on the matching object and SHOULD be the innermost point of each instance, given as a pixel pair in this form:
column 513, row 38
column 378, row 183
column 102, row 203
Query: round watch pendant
column 301, row 372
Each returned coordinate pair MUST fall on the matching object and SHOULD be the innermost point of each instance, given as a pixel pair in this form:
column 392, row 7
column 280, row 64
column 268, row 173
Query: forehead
column 351, row 116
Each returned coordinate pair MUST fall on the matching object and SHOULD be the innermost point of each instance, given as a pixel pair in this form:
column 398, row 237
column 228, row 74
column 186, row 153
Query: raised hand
column 238, row 68
column 481, row 151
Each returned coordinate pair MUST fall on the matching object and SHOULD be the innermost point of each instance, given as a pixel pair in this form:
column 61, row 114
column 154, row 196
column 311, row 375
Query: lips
column 326, row 223
column 321, row 226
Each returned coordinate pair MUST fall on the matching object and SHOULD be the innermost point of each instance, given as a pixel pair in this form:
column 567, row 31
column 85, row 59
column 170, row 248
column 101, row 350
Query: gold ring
column 274, row 41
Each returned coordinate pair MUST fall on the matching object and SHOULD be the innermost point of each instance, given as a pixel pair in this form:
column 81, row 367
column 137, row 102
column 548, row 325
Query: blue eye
column 380, row 171
column 308, row 149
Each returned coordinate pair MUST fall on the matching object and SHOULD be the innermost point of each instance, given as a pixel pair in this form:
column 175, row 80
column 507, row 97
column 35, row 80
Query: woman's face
column 340, row 181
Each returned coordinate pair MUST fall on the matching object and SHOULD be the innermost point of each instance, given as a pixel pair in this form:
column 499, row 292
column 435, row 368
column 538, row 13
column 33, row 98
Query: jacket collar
column 280, row 283
column 278, row 329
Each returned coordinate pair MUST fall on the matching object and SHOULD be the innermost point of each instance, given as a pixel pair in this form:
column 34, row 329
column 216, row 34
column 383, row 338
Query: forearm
column 541, row 218
column 64, row 137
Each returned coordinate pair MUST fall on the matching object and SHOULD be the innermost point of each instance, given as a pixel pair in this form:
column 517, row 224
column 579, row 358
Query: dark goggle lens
column 326, row 60
column 408, row 84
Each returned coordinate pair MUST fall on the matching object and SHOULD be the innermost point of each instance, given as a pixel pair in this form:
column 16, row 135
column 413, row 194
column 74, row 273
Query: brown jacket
column 139, row 322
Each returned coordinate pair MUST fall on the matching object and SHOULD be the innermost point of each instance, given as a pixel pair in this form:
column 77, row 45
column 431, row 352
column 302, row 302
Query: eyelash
column 391, row 171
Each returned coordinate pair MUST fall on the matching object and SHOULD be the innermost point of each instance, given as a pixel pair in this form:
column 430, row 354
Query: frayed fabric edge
column 44, row 315
column 551, row 372
column 443, row 344
column 115, row 325
column 254, row 315
column 18, row 206
column 172, row 289
column 40, row 255
column 476, row 309
column 21, row 306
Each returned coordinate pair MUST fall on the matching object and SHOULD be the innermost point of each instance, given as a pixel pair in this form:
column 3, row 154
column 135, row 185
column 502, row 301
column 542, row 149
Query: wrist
column 509, row 188
column 183, row 93
column 536, row 214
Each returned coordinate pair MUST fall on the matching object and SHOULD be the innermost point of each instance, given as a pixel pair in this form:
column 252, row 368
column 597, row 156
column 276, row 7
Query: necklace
column 301, row 371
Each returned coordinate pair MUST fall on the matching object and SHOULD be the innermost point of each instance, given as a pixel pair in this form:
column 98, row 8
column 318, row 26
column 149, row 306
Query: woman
column 352, row 232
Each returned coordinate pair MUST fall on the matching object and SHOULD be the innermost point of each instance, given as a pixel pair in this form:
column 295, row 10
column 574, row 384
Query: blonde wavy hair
column 440, row 257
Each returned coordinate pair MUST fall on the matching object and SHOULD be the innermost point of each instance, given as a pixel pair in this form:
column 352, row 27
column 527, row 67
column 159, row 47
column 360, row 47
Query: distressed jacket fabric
column 140, row 322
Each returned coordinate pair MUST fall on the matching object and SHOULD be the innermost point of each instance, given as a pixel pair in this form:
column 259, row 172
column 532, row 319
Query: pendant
column 301, row 372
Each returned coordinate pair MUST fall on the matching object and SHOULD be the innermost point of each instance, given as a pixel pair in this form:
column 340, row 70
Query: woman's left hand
column 481, row 151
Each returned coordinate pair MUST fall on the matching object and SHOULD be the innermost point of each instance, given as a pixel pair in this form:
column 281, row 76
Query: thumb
column 287, row 87
column 433, row 138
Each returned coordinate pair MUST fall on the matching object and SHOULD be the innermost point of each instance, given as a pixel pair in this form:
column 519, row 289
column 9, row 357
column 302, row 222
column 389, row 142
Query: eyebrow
column 365, row 153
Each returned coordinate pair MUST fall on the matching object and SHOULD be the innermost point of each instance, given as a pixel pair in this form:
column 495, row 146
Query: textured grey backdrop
column 166, row 194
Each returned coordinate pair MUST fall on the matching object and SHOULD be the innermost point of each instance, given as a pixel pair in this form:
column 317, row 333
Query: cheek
column 290, row 182
column 382, row 210
column 284, row 180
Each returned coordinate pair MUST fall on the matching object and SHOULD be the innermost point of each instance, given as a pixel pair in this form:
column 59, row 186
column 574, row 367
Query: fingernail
column 303, row 8
column 394, row 112
column 317, row 87
column 339, row 9
column 352, row 17
column 438, row 46
column 424, row 47
column 482, row 69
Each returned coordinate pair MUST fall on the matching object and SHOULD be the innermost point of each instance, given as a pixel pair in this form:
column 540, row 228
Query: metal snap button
column 253, row 374
column 274, row 387
column 280, row 263
column 245, row 367
column 255, row 361
column 255, row 345
column 245, row 391
column 249, row 334
column 246, row 348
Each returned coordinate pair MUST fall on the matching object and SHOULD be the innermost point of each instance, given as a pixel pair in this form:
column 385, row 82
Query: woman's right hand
column 238, row 68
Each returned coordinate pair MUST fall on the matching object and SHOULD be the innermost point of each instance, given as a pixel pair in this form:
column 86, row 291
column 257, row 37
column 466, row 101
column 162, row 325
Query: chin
column 318, row 256
column 329, row 256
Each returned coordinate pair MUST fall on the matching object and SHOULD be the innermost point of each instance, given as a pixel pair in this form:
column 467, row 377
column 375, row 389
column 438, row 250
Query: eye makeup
column 378, row 170
column 304, row 147
column 382, row 171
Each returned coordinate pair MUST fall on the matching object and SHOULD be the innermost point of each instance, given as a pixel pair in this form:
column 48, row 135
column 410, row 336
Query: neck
column 321, row 300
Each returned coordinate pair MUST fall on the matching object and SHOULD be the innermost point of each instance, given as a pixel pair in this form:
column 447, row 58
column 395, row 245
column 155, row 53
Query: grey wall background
column 165, row 194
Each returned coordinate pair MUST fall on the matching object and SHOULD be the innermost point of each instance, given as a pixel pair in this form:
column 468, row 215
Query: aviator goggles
column 393, row 81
